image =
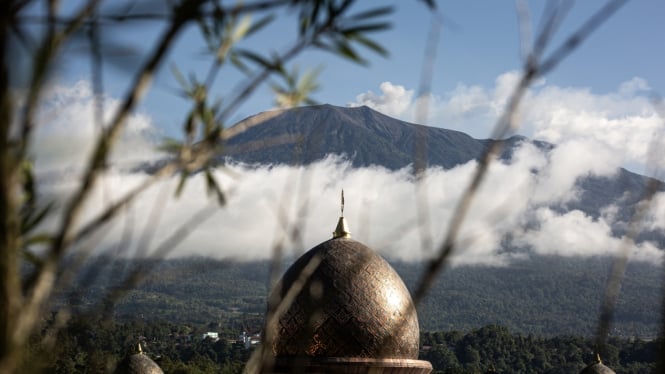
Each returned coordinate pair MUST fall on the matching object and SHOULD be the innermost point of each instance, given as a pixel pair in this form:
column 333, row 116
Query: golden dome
column 352, row 305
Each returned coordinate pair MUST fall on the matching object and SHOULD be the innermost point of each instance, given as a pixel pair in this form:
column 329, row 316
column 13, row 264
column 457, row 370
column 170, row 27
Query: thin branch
column 107, row 19
column 525, row 32
column 253, row 84
column 420, row 140
column 504, row 126
column 42, row 283
column 613, row 286
column 45, row 55
column 110, row 135
column 462, row 208
column 162, row 250
column 111, row 211
column 579, row 36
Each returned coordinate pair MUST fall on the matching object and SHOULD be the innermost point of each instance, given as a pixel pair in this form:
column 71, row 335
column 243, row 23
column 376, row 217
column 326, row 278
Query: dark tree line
column 494, row 346
column 545, row 296
column 95, row 345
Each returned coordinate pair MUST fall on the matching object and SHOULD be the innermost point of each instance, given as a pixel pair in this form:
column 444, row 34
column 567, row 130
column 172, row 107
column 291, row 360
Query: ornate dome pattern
column 352, row 305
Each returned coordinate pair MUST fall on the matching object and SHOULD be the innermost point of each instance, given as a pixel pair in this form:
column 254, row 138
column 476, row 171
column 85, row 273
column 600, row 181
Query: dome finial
column 342, row 230
column 598, row 360
column 139, row 350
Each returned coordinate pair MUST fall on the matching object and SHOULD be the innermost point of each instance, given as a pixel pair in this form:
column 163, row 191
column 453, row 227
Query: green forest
column 544, row 296
column 94, row 345
column 534, row 316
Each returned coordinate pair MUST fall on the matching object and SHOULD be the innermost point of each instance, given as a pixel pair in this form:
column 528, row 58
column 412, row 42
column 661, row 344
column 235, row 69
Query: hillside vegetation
column 545, row 296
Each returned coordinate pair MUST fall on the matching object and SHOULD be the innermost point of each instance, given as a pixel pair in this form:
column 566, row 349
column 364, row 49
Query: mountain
column 366, row 137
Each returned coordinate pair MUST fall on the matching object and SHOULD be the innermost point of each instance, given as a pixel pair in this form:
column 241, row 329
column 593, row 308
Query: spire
column 139, row 350
column 342, row 229
column 598, row 360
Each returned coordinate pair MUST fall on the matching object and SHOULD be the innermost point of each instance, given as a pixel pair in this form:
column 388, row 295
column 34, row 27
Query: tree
column 442, row 358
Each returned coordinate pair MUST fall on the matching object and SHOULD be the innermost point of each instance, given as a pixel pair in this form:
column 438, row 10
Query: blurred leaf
column 377, row 48
column 308, row 82
column 237, row 62
column 181, row 183
column 43, row 238
column 35, row 217
column 344, row 49
column 342, row 7
column 430, row 3
column 366, row 28
column 297, row 89
column 258, row 59
column 303, row 25
column 28, row 183
column 372, row 13
column 170, row 145
column 190, row 125
column 323, row 46
column 213, row 187
column 32, row 258
column 260, row 24
column 177, row 74
column 242, row 29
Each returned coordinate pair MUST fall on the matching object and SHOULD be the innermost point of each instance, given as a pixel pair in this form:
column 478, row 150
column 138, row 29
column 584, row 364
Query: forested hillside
column 545, row 296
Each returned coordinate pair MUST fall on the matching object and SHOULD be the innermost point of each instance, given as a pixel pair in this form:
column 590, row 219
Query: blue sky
column 478, row 42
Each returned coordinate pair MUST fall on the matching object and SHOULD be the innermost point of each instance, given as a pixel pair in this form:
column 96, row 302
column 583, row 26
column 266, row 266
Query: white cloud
column 633, row 86
column 393, row 101
column 67, row 130
column 266, row 203
column 623, row 123
column 576, row 234
column 569, row 161
column 654, row 215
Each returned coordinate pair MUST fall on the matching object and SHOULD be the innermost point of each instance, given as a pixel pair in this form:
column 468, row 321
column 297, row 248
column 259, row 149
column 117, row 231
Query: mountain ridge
column 386, row 141
column 365, row 137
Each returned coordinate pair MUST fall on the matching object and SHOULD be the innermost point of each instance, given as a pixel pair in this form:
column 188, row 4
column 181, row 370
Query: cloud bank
column 266, row 205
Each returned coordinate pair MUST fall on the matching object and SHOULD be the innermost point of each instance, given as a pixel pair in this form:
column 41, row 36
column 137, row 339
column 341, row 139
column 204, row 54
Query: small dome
column 138, row 363
column 353, row 304
column 597, row 368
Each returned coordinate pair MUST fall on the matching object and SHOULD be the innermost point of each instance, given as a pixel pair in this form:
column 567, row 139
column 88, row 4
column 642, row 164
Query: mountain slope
column 365, row 136
column 544, row 295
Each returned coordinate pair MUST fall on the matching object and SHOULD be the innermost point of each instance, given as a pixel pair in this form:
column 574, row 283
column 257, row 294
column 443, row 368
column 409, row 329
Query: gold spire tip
column 342, row 229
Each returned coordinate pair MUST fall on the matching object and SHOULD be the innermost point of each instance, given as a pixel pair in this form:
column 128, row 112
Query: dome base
column 355, row 365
